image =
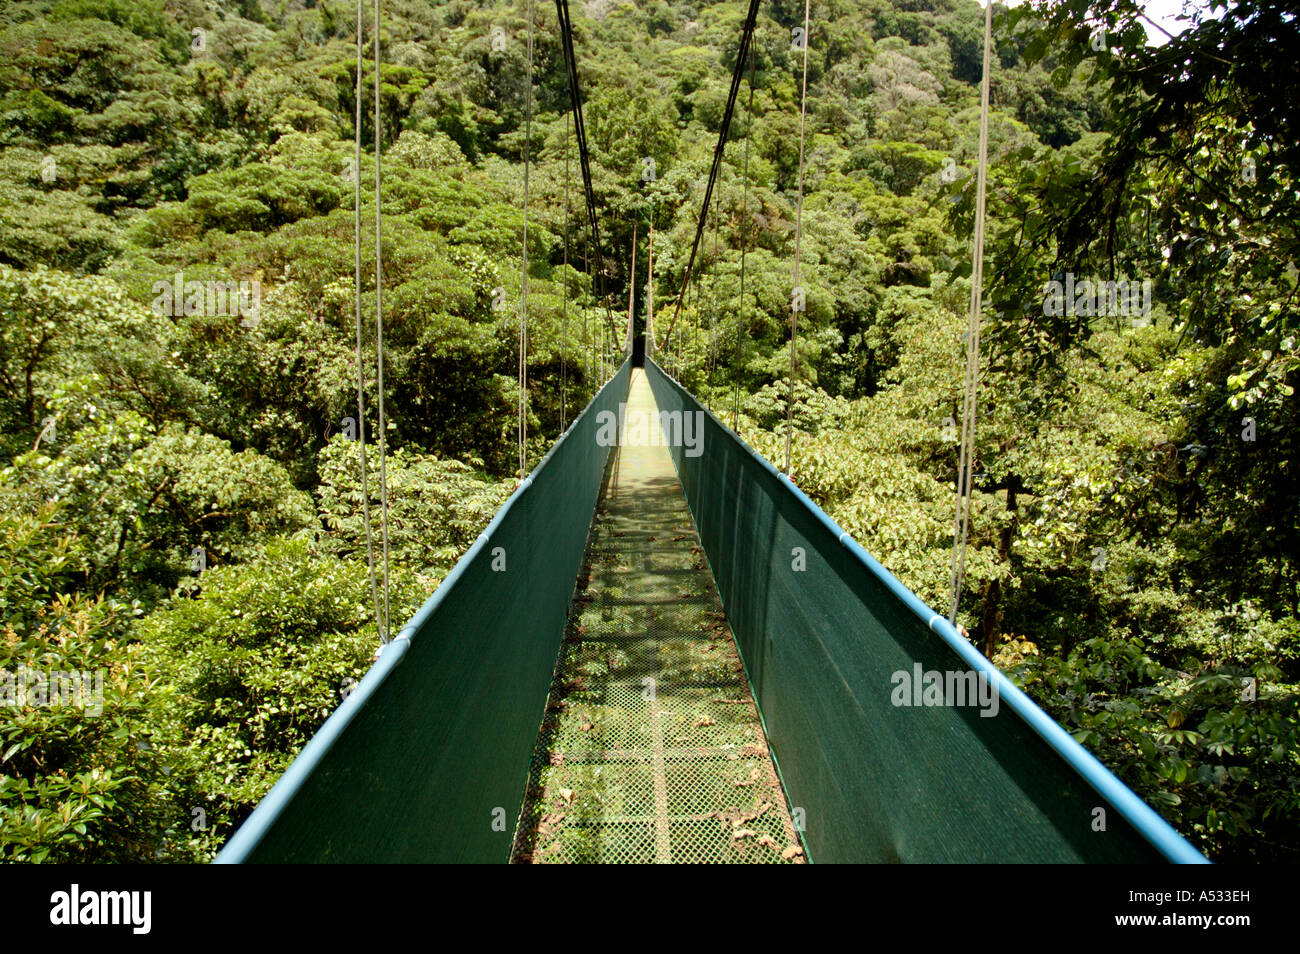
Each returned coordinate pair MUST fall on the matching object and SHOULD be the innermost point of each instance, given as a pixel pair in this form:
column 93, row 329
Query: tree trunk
column 991, row 613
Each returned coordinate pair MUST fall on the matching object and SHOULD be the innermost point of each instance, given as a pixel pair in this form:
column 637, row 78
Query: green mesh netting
column 875, row 782
column 430, row 759
column 433, row 766
column 652, row 750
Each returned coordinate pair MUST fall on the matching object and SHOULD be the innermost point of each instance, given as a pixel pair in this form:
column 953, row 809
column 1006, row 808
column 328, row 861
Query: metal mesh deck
column 651, row 749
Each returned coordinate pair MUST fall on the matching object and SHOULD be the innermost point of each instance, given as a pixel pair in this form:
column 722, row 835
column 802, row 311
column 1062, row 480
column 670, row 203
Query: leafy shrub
column 251, row 668
column 80, row 781
column 1215, row 750
column 435, row 507
column 143, row 501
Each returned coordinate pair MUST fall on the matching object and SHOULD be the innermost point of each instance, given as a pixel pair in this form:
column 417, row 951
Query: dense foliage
column 181, row 503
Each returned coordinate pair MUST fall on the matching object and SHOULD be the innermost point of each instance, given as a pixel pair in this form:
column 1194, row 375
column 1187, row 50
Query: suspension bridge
column 661, row 650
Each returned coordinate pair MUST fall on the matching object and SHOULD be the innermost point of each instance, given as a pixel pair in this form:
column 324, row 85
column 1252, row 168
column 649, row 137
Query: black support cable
column 746, row 38
column 580, row 130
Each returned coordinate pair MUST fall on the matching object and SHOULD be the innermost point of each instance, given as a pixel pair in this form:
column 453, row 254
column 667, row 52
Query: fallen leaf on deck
column 730, row 817
column 546, row 827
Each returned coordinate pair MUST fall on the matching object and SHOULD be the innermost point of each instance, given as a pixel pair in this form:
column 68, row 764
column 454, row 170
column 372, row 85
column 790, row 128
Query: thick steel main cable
column 584, row 158
column 966, row 462
column 746, row 39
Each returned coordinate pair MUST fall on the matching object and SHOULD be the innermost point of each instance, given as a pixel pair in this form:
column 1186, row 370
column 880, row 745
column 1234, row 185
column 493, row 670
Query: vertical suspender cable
column 696, row 324
column 564, row 301
column 523, row 296
column 695, row 336
column 713, row 303
column 631, row 284
column 795, row 299
column 379, row 327
column 361, row 366
column 632, row 311
column 588, row 345
column 650, row 271
column 966, row 463
column 742, row 328
column 681, row 329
